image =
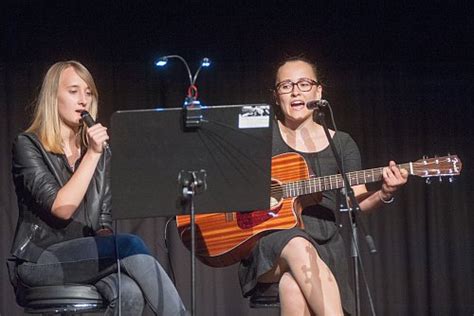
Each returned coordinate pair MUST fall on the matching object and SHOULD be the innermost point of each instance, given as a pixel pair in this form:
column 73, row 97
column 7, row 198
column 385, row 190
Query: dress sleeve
column 32, row 177
column 351, row 154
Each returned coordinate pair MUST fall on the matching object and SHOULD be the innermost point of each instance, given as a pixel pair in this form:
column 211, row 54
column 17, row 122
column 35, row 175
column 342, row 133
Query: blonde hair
column 46, row 121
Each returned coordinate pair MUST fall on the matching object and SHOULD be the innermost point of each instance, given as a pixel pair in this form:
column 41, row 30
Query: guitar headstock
column 446, row 166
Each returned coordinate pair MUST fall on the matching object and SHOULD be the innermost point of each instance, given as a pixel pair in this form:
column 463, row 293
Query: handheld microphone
column 317, row 105
column 87, row 118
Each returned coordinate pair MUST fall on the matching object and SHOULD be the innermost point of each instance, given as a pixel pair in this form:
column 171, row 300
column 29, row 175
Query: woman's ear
column 320, row 91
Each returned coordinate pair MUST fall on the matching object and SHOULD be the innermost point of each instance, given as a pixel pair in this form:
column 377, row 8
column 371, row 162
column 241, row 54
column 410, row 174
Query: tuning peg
column 440, row 179
column 428, row 181
column 451, row 179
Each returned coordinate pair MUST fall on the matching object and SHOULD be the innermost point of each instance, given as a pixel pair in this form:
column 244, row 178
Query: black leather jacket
column 38, row 175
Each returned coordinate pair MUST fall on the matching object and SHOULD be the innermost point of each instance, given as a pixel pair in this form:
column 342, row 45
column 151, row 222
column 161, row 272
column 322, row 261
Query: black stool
column 67, row 299
column 265, row 296
column 61, row 299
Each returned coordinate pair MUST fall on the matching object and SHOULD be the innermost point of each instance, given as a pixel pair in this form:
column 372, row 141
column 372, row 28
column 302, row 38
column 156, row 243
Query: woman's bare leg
column 292, row 301
column 315, row 280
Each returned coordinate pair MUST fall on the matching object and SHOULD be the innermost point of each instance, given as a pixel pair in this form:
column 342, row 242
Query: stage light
column 206, row 62
column 161, row 62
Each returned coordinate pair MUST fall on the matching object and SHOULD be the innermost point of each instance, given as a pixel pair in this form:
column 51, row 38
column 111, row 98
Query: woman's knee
column 291, row 297
column 129, row 245
column 288, row 286
column 299, row 246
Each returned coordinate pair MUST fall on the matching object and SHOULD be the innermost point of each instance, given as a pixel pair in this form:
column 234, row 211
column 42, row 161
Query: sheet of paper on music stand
column 151, row 147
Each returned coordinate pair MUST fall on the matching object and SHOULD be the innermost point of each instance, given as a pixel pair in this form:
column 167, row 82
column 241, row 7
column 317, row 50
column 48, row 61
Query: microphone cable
column 117, row 254
column 168, row 254
column 89, row 121
column 107, row 151
column 119, row 283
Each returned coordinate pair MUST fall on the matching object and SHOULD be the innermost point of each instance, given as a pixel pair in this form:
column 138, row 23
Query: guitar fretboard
column 332, row 182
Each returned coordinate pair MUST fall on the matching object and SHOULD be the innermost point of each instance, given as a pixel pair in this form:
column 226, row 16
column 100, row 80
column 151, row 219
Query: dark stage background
column 399, row 76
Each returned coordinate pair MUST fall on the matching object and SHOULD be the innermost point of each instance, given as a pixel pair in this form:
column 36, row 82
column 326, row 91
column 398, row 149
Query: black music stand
column 163, row 166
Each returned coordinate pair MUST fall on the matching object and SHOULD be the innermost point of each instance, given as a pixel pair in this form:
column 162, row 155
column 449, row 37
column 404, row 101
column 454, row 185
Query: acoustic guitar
column 225, row 238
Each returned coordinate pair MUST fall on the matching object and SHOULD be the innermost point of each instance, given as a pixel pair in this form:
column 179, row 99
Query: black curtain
column 398, row 111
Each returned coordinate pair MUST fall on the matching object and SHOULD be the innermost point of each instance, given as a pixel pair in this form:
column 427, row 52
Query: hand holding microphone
column 99, row 134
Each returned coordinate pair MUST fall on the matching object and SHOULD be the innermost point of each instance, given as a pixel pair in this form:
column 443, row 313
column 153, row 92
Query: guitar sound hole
column 276, row 194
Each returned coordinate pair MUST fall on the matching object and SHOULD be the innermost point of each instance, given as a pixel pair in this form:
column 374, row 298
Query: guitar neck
column 332, row 182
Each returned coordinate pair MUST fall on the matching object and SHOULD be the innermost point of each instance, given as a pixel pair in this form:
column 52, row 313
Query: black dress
column 320, row 221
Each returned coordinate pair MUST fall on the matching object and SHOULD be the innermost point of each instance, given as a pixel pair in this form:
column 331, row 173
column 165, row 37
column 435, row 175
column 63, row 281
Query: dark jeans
column 93, row 260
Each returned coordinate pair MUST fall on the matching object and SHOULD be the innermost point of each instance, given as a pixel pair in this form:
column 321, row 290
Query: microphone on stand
column 87, row 118
column 317, row 105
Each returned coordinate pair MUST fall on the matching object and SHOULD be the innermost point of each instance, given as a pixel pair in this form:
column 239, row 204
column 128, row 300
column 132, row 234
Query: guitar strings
column 354, row 176
column 324, row 182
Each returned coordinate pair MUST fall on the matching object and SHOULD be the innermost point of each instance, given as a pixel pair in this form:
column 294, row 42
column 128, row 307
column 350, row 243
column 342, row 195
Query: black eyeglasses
column 304, row 85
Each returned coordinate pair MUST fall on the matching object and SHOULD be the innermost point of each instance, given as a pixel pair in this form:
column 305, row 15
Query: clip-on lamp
column 192, row 116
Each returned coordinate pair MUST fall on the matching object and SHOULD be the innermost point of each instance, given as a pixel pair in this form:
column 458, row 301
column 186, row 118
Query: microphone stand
column 192, row 183
column 319, row 117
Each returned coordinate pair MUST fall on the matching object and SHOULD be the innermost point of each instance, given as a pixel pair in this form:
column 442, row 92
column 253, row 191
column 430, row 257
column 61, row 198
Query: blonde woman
column 61, row 175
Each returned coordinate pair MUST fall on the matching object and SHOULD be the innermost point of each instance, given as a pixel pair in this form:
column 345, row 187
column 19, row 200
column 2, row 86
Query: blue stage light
column 206, row 62
column 161, row 62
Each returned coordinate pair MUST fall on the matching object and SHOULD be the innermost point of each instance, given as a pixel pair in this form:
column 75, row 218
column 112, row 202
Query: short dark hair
column 300, row 57
column 287, row 59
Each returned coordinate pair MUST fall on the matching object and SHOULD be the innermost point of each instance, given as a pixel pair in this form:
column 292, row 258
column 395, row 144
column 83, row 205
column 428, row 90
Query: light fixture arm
column 191, row 80
column 205, row 62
